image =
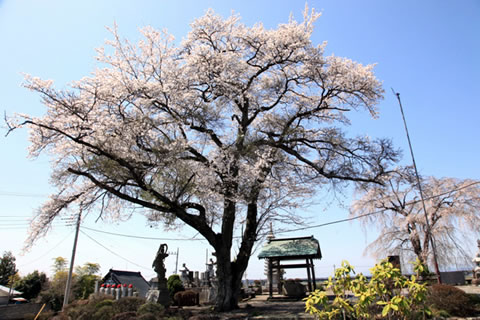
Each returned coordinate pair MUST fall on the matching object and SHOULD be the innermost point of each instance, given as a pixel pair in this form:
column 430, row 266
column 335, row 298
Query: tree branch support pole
column 72, row 261
column 429, row 230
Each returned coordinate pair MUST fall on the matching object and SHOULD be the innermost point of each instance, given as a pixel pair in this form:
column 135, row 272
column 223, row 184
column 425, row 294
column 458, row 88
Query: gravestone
column 185, row 276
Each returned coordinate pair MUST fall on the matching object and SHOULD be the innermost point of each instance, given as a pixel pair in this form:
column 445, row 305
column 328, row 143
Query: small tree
column 55, row 290
column 174, row 285
column 8, row 268
column 452, row 209
column 59, row 265
column 31, row 284
column 233, row 126
column 86, row 278
column 387, row 293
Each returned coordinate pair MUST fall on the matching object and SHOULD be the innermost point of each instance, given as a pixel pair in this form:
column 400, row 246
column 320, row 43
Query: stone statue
column 159, row 264
column 210, row 270
column 159, row 267
column 184, row 275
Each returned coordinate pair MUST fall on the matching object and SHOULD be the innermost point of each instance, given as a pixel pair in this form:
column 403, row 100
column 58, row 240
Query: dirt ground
column 258, row 308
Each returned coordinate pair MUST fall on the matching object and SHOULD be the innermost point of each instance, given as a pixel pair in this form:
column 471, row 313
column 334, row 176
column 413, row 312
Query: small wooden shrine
column 277, row 251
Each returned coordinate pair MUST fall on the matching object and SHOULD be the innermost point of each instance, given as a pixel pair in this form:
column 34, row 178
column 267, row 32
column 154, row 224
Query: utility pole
column 72, row 260
column 429, row 230
column 176, row 262
column 206, row 260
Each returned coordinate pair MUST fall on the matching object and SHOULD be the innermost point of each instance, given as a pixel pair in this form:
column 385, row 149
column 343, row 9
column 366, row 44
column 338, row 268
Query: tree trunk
column 229, row 274
column 417, row 248
column 229, row 279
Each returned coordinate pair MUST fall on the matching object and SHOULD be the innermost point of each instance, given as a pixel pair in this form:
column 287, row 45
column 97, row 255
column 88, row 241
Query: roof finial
column 270, row 235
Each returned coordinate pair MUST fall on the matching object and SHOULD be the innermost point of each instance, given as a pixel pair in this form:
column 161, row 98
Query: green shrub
column 102, row 303
column 474, row 299
column 147, row 316
column 174, row 285
column 450, row 299
column 382, row 295
column 104, row 313
column 130, row 315
column 440, row 314
column 52, row 299
column 85, row 309
column 127, row 304
column 151, row 307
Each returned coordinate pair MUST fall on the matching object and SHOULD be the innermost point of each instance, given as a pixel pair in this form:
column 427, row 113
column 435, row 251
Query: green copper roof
column 306, row 247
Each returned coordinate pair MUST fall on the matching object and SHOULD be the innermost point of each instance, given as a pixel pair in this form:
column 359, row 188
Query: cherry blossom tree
column 452, row 210
column 232, row 126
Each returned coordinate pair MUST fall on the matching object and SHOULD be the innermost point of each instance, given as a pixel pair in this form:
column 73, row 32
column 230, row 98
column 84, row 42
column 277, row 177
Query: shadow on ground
column 257, row 308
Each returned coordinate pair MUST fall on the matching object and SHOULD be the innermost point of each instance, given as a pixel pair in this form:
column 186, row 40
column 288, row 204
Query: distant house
column 127, row 277
column 5, row 292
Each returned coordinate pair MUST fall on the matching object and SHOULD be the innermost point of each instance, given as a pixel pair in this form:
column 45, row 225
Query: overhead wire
column 50, row 250
column 379, row 211
column 140, row 237
column 19, row 194
column 290, row 230
column 2, row 216
column 284, row 231
column 112, row 252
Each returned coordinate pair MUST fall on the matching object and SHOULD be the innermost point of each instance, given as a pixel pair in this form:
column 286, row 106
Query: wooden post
column 280, row 284
column 309, row 277
column 270, row 275
column 313, row 275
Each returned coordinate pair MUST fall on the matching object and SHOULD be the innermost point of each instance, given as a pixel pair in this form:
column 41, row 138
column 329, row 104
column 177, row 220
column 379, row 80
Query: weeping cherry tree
column 452, row 207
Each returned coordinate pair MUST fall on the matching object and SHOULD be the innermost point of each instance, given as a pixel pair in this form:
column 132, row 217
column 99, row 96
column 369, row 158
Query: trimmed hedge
column 450, row 299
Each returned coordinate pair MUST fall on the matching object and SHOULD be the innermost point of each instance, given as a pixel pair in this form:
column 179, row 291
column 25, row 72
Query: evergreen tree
column 7, row 267
column 31, row 284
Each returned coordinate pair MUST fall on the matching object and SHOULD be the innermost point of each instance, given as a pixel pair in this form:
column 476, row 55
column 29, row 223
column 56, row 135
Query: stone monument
column 476, row 271
column 184, row 276
column 210, row 273
column 159, row 267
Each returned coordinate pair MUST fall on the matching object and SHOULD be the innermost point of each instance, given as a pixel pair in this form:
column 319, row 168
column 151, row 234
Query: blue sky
column 426, row 50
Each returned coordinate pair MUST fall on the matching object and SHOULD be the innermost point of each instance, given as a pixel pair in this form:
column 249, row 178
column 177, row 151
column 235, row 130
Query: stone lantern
column 476, row 271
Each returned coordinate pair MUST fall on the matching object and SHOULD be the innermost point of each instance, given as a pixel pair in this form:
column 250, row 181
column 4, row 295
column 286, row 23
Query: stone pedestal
column 163, row 295
column 159, row 267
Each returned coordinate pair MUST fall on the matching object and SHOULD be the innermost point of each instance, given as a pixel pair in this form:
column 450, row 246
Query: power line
column 28, row 224
column 19, row 194
column 43, row 255
column 141, row 237
column 297, row 229
column 377, row 212
column 2, row 216
column 278, row 232
column 116, row 254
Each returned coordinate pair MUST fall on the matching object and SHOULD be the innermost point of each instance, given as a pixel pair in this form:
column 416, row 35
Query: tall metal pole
column 72, row 260
column 176, row 262
column 429, row 230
